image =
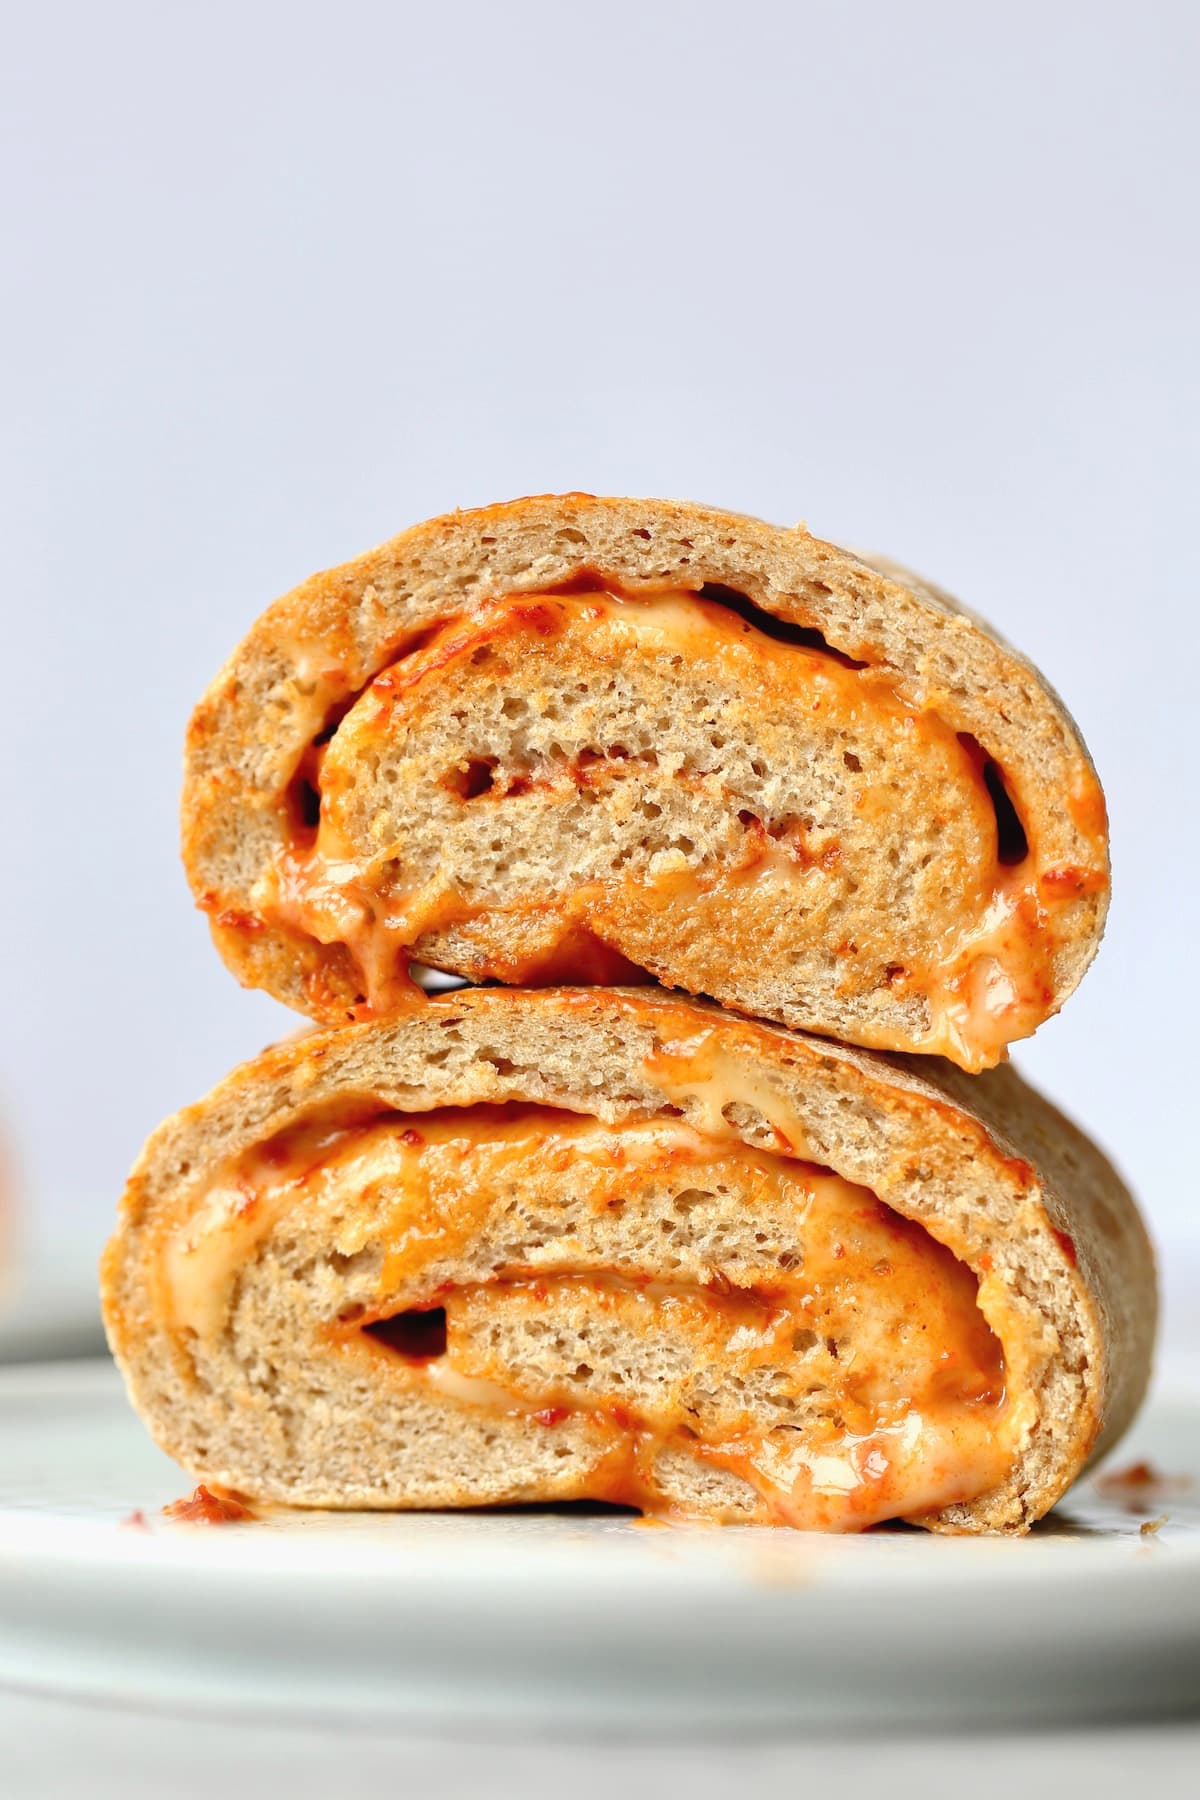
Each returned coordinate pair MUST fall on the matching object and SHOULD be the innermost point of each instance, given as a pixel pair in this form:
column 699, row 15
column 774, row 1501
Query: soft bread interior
column 660, row 780
column 551, row 1245
column 661, row 1313
column 579, row 768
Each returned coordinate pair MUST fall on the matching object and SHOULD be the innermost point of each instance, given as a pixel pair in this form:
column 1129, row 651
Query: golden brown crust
column 984, row 1164
column 323, row 643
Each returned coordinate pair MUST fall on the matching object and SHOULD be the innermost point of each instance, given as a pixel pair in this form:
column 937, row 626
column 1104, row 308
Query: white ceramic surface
column 556, row 1618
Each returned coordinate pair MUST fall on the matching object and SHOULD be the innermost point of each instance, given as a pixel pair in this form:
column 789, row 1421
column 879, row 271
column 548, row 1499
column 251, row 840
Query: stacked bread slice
column 709, row 1197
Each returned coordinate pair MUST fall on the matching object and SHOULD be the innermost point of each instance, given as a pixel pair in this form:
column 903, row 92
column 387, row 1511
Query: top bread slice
column 573, row 738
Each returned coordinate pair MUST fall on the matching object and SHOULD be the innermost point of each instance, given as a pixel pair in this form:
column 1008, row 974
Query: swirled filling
column 662, row 1304
column 604, row 785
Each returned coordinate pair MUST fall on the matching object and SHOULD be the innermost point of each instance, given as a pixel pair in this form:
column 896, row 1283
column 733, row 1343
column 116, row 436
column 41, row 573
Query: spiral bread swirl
column 580, row 739
column 618, row 1245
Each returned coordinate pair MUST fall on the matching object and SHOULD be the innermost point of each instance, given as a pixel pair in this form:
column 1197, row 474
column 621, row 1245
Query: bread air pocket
column 610, row 1244
column 596, row 740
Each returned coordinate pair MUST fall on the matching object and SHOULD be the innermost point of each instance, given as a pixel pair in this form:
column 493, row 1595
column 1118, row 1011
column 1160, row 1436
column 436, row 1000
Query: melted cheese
column 714, row 1084
column 198, row 1268
column 850, row 1380
column 997, row 985
column 199, row 1264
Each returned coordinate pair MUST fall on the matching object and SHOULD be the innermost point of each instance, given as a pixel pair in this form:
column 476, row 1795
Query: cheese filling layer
column 814, row 771
column 664, row 1299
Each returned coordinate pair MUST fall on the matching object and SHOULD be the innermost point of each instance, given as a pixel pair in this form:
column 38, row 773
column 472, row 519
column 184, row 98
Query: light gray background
column 280, row 281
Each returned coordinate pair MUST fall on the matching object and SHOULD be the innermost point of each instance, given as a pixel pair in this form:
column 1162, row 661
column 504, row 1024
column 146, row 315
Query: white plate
column 569, row 1617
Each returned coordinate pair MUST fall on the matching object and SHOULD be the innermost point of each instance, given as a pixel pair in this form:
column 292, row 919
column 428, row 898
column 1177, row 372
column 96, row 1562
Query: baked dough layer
column 633, row 1248
column 574, row 739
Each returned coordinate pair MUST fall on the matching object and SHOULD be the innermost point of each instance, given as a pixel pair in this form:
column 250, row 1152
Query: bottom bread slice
column 615, row 1245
